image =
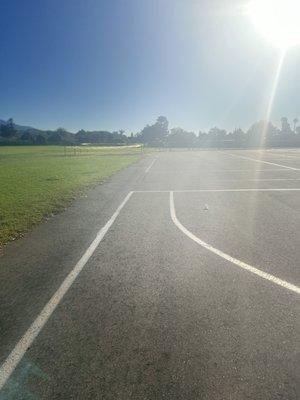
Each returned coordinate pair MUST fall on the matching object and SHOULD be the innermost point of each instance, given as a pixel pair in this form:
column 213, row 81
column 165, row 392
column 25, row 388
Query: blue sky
column 118, row 64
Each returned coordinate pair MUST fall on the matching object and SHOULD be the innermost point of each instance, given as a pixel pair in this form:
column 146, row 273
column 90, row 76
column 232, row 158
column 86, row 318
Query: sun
column 277, row 20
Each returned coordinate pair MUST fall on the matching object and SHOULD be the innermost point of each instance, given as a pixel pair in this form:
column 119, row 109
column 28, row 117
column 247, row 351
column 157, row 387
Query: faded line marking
column 35, row 328
column 214, row 179
column 253, row 180
column 262, row 161
column 220, row 190
column 227, row 257
column 246, row 170
column 150, row 166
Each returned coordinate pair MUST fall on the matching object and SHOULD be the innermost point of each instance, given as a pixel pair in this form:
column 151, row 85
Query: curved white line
column 227, row 257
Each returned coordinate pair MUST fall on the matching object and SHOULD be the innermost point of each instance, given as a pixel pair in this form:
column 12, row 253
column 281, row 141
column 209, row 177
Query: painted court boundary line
column 150, row 166
column 227, row 257
column 221, row 190
column 256, row 180
column 35, row 328
column 247, row 170
column 262, row 161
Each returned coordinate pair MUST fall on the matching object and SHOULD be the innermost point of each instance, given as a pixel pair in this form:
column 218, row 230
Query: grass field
column 38, row 181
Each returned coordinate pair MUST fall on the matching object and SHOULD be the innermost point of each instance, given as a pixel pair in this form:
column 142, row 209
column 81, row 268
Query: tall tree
column 285, row 126
column 295, row 122
column 238, row 136
column 261, row 132
column 155, row 134
column 217, row 133
column 181, row 138
column 8, row 129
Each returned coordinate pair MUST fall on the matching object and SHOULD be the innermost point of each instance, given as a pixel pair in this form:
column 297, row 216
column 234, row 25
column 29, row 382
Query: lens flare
column 277, row 20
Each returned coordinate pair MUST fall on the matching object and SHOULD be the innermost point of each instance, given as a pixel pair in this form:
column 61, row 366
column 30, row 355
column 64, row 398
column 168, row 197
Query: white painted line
column 246, row 170
column 150, row 166
column 27, row 339
column 241, row 190
column 151, row 191
column 220, row 190
column 262, row 161
column 285, row 155
column 255, row 180
column 227, row 257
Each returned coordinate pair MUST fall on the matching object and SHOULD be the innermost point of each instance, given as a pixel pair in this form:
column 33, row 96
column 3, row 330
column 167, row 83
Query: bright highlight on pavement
column 277, row 20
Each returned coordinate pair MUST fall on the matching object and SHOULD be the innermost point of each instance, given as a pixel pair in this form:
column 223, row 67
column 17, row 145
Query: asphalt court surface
column 153, row 314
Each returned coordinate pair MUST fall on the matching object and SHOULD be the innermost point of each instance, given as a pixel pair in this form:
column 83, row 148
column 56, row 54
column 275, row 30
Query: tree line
column 158, row 134
column 12, row 134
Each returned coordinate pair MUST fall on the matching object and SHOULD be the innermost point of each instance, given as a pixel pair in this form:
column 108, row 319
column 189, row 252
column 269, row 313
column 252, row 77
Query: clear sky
column 118, row 64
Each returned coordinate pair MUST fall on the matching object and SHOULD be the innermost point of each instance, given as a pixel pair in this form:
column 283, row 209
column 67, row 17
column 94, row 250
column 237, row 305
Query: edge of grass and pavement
column 39, row 181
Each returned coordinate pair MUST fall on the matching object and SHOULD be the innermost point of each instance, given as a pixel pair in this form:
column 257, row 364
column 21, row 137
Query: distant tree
column 260, row 133
column 285, row 126
column 62, row 136
column 202, row 139
column 81, row 136
column 163, row 124
column 238, row 136
column 155, row 134
column 132, row 138
column 238, row 132
column 121, row 138
column 11, row 127
column 295, row 122
column 8, row 129
column 2, row 129
column 202, row 135
column 178, row 137
column 114, row 137
column 103, row 137
column 61, row 131
column 27, row 136
column 217, row 134
column 40, row 139
column 54, row 138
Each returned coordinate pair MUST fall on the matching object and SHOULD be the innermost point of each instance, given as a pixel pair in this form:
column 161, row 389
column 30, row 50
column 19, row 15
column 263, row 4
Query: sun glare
column 277, row 20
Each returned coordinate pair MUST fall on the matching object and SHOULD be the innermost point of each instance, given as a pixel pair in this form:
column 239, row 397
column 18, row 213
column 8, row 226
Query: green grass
column 37, row 181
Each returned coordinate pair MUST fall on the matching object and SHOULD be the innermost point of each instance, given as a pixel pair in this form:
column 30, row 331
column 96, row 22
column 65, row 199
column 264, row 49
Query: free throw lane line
column 227, row 257
column 32, row 332
column 262, row 161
